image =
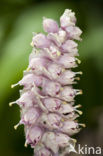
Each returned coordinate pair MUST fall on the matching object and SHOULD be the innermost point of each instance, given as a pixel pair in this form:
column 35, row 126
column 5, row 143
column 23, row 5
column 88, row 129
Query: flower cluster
column 47, row 100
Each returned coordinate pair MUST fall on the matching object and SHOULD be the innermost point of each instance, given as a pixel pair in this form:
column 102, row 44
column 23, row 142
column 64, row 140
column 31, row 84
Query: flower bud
column 49, row 140
column 51, row 88
column 54, row 141
column 54, row 52
column 42, row 151
column 50, row 25
column 55, row 70
column 27, row 99
column 67, row 110
column 70, row 127
column 69, row 46
column 27, row 81
column 33, row 135
column 51, row 121
column 67, row 61
column 52, row 104
column 73, row 32
column 30, row 79
column 57, row 38
column 37, row 64
column 62, row 139
column 67, row 94
column 67, row 77
column 30, row 116
column 67, row 19
column 40, row 41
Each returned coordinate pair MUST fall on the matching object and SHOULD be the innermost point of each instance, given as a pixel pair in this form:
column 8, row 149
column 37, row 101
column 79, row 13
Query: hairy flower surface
column 47, row 104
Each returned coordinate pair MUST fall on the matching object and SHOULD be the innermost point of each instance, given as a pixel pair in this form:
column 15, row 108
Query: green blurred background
column 18, row 19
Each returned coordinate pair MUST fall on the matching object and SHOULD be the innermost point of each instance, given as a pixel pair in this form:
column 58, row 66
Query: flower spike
column 47, row 100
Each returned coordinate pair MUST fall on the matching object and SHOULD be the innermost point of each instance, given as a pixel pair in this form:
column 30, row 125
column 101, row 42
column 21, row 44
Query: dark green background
column 18, row 19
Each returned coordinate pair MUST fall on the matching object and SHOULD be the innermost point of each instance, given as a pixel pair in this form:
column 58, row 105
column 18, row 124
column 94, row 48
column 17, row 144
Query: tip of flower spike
column 83, row 125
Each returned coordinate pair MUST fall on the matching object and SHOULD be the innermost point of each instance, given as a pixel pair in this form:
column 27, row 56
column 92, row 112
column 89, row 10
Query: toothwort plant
column 47, row 100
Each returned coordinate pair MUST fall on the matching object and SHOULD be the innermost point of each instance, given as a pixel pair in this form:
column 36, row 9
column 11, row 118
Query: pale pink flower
column 40, row 41
column 50, row 25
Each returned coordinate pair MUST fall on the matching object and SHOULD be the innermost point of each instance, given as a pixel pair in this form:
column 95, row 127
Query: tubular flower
column 47, row 104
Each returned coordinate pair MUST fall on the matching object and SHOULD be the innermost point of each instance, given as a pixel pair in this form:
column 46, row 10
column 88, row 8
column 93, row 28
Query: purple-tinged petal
column 33, row 135
column 67, row 77
column 40, row 41
column 49, row 139
column 67, row 61
column 67, row 19
column 55, row 70
column 27, row 99
column 70, row 127
column 42, row 151
column 51, row 88
column 51, row 121
column 73, row 32
column 57, row 38
column 69, row 46
column 30, row 116
column 52, row 104
column 50, row 25
column 62, row 139
column 53, row 52
column 67, row 94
